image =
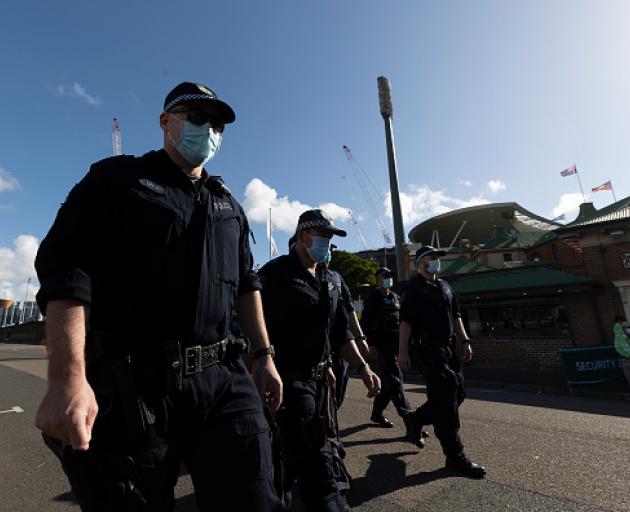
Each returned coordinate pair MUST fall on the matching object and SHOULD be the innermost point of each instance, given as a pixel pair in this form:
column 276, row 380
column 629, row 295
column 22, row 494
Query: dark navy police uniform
column 305, row 320
column 431, row 309
column 380, row 322
column 161, row 261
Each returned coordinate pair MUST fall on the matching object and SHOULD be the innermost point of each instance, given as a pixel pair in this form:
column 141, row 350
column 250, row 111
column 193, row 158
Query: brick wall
column 524, row 354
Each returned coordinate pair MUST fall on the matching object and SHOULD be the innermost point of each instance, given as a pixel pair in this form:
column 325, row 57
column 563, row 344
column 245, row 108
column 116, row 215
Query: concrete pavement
column 544, row 453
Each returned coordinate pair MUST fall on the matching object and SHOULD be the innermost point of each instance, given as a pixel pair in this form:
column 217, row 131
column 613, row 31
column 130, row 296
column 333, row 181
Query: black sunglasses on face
column 199, row 117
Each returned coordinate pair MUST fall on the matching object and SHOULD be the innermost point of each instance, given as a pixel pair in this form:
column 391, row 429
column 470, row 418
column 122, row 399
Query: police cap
column 383, row 272
column 187, row 92
column 427, row 250
column 317, row 219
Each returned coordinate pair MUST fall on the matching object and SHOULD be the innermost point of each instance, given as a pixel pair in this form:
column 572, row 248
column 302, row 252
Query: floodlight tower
column 116, row 143
column 387, row 111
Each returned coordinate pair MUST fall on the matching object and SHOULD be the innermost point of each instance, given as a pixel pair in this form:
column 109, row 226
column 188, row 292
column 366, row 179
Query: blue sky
column 506, row 92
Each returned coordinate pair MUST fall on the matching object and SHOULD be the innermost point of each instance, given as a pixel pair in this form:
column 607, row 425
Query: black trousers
column 444, row 380
column 312, row 461
column 340, row 369
column 391, row 384
column 215, row 425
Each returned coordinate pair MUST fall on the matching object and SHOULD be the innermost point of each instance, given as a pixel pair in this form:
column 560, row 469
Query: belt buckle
column 192, row 360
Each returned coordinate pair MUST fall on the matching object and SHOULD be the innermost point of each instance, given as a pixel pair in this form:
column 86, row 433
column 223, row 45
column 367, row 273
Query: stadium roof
column 615, row 212
column 499, row 223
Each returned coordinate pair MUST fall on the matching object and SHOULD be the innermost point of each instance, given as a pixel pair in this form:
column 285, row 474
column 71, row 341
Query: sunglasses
column 199, row 117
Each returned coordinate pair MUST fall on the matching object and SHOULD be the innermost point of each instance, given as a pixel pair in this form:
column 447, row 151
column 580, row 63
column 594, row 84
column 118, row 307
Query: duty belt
column 198, row 358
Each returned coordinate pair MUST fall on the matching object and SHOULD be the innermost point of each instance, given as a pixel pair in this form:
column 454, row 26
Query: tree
column 355, row 271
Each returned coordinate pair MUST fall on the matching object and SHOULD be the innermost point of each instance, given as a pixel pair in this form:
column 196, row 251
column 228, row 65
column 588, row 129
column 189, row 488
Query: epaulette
column 216, row 185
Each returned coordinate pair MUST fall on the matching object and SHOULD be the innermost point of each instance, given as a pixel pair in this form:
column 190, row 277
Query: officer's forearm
column 355, row 327
column 65, row 339
column 460, row 330
column 403, row 337
column 251, row 319
column 350, row 353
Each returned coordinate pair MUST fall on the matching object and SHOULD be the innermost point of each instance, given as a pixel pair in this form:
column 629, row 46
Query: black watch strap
column 267, row 351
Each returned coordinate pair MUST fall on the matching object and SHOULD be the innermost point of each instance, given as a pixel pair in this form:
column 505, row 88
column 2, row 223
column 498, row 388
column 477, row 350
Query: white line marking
column 16, row 409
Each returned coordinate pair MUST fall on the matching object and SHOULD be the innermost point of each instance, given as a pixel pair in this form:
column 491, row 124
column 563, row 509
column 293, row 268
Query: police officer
column 430, row 322
column 141, row 274
column 380, row 320
column 306, row 320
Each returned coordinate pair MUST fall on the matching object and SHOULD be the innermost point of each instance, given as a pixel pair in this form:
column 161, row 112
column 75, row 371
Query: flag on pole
column 603, row 186
column 273, row 248
column 559, row 218
column 569, row 171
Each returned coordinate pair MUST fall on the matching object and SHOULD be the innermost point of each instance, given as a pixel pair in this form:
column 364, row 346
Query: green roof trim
column 517, row 279
column 462, row 265
column 613, row 212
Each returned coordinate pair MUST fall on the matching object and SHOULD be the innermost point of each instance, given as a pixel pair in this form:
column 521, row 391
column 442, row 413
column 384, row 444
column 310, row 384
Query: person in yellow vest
column 622, row 343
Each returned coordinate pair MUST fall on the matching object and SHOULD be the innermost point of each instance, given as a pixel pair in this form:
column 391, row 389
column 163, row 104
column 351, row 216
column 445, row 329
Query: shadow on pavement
column 532, row 399
column 381, row 441
column 186, row 504
column 67, row 497
column 356, row 428
column 386, row 474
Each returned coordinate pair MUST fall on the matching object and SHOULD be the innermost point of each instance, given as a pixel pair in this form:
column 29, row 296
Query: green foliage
column 355, row 270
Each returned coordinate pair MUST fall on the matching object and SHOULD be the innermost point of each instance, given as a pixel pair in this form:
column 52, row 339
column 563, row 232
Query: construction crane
column 359, row 231
column 363, row 179
column 116, row 143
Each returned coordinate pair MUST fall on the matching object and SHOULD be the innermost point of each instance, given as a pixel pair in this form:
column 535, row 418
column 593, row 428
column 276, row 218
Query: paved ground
column 544, row 453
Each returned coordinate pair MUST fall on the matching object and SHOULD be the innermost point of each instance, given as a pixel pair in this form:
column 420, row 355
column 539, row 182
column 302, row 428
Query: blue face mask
column 433, row 267
column 327, row 258
column 197, row 143
column 319, row 248
column 388, row 283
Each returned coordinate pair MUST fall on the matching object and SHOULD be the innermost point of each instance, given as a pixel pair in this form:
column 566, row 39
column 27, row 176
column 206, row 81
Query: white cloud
column 496, row 186
column 259, row 197
column 17, row 264
column 464, row 183
column 422, row 203
column 78, row 91
column 7, row 181
column 569, row 203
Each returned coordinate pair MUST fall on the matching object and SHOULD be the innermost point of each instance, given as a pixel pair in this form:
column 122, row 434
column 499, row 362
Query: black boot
column 381, row 420
column 465, row 466
column 415, row 434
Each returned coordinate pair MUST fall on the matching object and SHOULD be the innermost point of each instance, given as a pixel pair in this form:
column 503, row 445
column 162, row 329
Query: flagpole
column 612, row 190
column 270, row 249
column 580, row 182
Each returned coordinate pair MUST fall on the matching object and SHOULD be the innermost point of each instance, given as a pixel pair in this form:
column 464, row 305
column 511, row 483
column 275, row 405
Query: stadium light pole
column 387, row 111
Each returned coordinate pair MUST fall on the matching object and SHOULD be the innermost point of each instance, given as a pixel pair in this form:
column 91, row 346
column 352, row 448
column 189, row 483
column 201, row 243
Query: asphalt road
column 543, row 453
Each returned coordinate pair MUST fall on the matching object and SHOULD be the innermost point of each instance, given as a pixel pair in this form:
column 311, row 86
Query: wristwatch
column 267, row 351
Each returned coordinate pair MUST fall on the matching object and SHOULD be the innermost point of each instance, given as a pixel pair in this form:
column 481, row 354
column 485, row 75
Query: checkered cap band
column 314, row 224
column 187, row 97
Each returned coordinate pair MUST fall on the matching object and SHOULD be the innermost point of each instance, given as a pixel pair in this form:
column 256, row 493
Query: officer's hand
column 330, row 375
column 371, row 381
column 468, row 353
column 403, row 360
column 268, row 382
column 68, row 411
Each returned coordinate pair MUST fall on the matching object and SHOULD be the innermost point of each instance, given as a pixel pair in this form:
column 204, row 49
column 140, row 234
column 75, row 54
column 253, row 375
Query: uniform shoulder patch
column 151, row 185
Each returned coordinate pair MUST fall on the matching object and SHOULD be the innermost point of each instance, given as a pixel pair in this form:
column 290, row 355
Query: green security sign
column 592, row 365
